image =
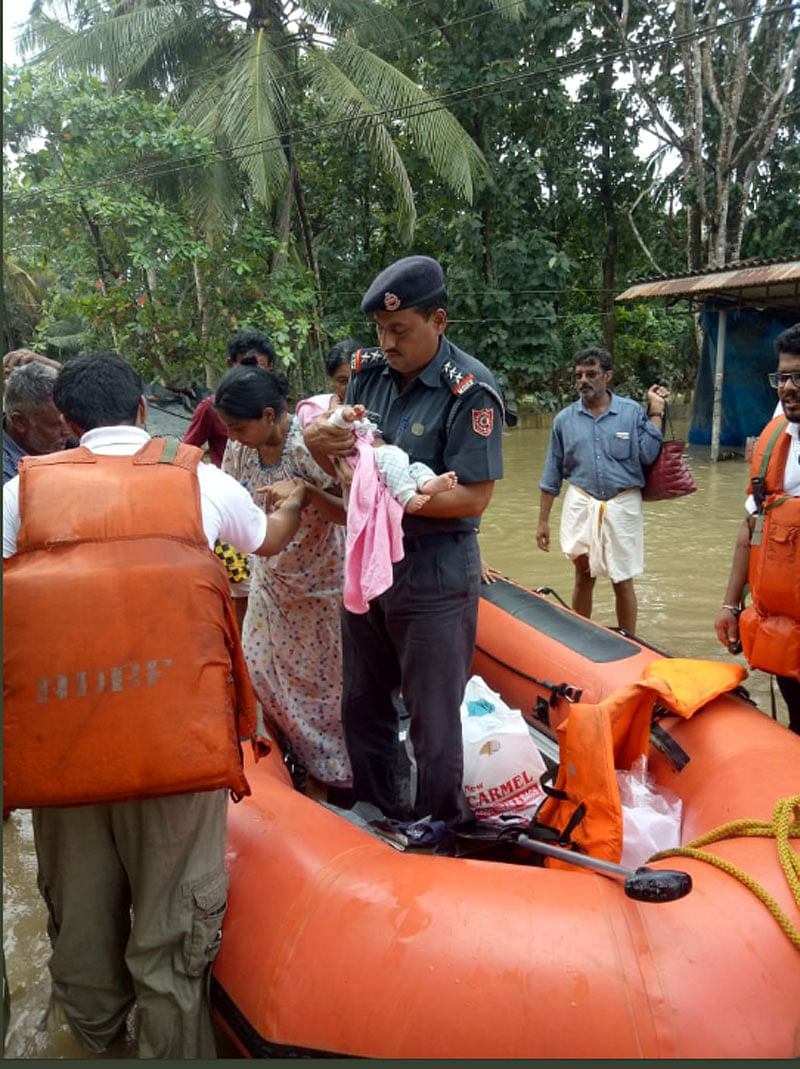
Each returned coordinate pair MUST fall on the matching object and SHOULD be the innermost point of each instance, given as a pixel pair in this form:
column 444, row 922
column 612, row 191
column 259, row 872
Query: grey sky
column 14, row 12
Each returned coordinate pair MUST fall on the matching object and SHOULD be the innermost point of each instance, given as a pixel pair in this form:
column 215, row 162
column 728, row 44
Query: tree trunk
column 738, row 65
column 479, row 137
column 103, row 259
column 694, row 238
column 151, row 279
column 607, row 110
column 311, row 253
column 488, row 260
column 283, row 229
column 205, row 328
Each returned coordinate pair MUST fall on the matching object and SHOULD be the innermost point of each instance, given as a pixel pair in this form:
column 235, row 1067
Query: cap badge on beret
column 412, row 282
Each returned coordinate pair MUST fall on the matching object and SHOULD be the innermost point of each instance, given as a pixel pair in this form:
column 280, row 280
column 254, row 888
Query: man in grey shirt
column 601, row 445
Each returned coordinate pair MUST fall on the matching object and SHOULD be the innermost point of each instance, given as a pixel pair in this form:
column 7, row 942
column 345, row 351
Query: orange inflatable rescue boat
column 335, row 943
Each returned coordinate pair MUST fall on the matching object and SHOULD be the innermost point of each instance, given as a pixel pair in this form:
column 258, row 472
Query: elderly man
column 32, row 425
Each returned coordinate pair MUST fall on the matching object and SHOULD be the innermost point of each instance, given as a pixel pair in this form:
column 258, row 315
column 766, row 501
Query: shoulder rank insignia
column 366, row 358
column 456, row 379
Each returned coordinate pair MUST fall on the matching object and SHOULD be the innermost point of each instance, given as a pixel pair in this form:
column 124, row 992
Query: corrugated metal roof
column 751, row 283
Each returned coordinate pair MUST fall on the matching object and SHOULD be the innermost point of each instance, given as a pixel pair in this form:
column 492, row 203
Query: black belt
column 412, row 543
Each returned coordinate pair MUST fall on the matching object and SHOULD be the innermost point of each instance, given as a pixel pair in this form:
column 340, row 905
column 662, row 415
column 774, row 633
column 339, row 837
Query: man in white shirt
column 136, row 890
column 767, row 551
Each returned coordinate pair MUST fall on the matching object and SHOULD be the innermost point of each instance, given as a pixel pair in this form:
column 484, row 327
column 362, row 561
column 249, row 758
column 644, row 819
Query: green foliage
column 224, row 172
column 23, row 289
column 773, row 227
column 137, row 270
column 653, row 344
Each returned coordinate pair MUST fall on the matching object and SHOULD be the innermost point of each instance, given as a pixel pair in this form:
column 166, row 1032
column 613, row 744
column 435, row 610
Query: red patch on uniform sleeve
column 483, row 421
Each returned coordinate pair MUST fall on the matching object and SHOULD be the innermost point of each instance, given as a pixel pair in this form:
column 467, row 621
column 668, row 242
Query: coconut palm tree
column 23, row 291
column 257, row 77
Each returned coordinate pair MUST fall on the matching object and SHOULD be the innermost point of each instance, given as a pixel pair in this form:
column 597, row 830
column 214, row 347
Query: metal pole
column 642, row 884
column 583, row 861
column 719, row 374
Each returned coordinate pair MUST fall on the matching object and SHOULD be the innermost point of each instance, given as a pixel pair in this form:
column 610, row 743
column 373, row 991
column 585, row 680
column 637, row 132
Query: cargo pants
column 420, row 636
column 135, row 892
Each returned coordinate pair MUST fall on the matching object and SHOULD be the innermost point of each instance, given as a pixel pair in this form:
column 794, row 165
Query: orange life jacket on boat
column 770, row 626
column 123, row 674
column 598, row 738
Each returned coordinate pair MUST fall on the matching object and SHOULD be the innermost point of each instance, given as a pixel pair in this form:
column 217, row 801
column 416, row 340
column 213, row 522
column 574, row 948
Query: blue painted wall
column 747, row 398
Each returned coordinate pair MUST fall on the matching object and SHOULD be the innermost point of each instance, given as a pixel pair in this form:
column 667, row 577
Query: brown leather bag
column 669, row 475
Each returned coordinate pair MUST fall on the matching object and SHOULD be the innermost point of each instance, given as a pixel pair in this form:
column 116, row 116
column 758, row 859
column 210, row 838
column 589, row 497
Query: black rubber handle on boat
column 643, row 884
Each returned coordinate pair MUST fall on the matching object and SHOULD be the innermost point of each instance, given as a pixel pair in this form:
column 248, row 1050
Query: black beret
column 413, row 282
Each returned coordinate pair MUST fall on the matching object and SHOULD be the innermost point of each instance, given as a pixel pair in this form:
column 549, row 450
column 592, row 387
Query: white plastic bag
column 651, row 815
column 501, row 763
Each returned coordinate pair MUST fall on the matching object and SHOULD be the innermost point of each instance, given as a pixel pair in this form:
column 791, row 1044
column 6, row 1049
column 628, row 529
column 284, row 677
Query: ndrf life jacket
column 770, row 626
column 123, row 675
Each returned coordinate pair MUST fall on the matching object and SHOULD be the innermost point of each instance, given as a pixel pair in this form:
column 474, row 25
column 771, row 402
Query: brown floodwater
column 688, row 547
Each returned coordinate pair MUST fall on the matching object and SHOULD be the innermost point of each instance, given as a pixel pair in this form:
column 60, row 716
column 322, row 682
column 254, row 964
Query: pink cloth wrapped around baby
column 374, row 538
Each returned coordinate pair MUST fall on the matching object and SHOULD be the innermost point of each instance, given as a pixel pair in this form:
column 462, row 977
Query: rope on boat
column 785, row 825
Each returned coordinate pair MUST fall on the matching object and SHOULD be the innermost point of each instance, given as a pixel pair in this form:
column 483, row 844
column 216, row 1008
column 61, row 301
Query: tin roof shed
column 753, row 283
column 769, row 288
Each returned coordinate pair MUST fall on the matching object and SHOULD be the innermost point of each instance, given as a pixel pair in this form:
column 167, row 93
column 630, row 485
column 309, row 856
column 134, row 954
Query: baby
column 410, row 483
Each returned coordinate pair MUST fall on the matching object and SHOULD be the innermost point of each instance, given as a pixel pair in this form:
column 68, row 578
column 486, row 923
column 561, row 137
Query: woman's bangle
column 734, row 609
column 659, row 414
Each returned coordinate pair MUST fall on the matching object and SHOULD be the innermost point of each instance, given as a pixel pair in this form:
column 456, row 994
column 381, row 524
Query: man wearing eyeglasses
column 601, row 445
column 766, row 556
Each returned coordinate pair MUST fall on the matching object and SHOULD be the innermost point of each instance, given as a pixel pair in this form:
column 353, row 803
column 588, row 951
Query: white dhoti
column 610, row 533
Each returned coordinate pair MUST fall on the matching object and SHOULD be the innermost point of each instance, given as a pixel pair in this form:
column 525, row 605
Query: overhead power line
column 291, row 45
column 310, row 135
column 402, row 39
